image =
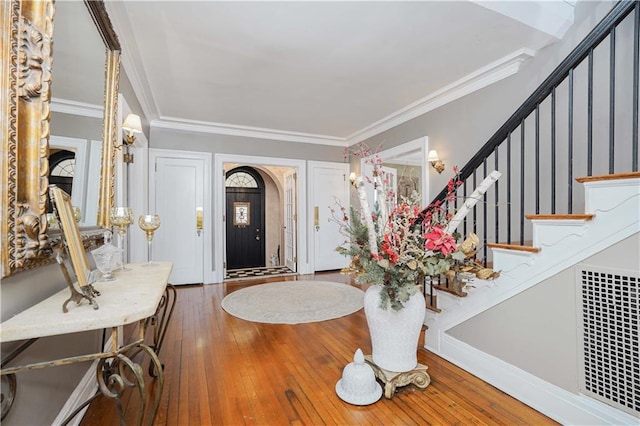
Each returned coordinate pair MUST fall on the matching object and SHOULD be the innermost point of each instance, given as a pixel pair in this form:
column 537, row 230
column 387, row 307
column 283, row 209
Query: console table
column 140, row 295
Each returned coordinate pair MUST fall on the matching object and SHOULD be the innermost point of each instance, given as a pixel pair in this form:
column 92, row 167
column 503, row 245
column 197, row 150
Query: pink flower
column 438, row 240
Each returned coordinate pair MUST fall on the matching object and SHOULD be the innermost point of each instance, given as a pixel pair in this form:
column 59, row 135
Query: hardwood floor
column 221, row 370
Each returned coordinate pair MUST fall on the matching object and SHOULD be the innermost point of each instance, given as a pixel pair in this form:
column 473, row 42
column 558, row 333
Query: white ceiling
column 326, row 72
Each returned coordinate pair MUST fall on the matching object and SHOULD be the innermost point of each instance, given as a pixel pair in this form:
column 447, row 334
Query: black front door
column 245, row 223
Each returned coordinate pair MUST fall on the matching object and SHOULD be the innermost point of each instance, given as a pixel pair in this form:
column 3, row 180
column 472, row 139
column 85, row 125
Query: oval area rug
column 294, row 302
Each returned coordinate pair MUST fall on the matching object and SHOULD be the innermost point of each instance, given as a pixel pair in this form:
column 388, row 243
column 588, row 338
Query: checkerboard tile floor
column 237, row 274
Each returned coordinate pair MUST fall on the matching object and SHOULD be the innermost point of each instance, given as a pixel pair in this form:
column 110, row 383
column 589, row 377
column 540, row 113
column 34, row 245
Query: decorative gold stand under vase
column 392, row 380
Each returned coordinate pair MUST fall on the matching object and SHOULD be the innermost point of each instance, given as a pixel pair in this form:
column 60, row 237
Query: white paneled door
column 329, row 188
column 177, row 191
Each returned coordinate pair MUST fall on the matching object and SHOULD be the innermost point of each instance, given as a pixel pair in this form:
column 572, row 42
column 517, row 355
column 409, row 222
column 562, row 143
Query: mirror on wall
column 405, row 168
column 77, row 107
column 88, row 81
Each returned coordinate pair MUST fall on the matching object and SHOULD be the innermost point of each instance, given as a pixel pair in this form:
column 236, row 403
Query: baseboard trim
column 553, row 401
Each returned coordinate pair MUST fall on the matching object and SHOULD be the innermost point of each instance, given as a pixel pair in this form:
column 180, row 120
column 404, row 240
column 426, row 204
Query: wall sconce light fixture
column 130, row 126
column 435, row 161
column 352, row 178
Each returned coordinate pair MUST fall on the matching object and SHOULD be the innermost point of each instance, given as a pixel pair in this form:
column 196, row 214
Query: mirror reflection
column 405, row 170
column 77, row 105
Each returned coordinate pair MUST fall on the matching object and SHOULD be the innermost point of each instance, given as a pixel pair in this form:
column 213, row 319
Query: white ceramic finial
column 358, row 384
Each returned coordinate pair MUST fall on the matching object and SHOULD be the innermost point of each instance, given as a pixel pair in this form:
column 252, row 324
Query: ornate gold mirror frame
column 25, row 78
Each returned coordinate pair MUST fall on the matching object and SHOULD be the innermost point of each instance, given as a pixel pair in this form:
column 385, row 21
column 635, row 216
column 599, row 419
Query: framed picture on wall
column 406, row 186
column 241, row 212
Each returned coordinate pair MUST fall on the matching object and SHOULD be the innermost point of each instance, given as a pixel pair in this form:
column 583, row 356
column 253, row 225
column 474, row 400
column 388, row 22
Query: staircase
column 539, row 222
column 612, row 213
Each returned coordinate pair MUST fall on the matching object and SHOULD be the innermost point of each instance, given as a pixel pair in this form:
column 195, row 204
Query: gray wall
column 49, row 388
column 238, row 145
column 74, row 126
column 126, row 89
column 457, row 130
column 537, row 330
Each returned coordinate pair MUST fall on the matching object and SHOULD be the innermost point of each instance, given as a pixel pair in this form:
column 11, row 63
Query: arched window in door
column 245, row 218
column 62, row 166
column 241, row 179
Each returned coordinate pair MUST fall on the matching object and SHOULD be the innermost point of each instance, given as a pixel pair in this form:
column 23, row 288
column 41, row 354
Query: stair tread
column 615, row 176
column 560, row 216
column 516, row 247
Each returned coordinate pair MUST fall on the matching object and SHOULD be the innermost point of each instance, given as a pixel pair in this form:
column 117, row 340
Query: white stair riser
column 550, row 232
column 505, row 260
column 606, row 195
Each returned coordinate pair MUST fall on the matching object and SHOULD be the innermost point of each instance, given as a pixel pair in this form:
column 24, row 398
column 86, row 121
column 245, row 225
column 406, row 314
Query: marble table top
column 133, row 296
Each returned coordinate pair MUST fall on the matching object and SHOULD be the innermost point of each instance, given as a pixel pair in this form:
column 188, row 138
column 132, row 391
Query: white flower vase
column 394, row 334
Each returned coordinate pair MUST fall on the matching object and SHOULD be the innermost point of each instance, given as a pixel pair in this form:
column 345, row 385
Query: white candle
column 472, row 200
column 366, row 212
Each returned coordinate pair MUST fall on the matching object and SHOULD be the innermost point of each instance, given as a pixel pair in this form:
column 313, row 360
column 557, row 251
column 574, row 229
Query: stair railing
column 587, row 107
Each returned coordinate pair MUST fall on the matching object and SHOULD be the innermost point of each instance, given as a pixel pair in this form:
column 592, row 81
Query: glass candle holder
column 106, row 258
column 149, row 223
column 121, row 218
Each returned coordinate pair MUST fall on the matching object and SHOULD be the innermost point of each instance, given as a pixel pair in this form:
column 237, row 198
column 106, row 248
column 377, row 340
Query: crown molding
column 479, row 79
column 67, row 106
column 245, row 131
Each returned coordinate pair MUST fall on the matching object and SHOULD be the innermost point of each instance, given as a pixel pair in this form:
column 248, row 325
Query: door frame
column 346, row 169
column 154, row 154
column 219, row 206
column 422, row 146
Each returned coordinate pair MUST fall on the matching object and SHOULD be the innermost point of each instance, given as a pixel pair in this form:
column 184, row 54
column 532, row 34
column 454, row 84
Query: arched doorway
column 245, row 218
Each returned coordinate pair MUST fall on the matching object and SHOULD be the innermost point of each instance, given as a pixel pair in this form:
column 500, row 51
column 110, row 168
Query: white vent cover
column 609, row 321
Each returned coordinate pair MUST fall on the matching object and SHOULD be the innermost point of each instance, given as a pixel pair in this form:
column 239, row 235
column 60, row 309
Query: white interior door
column 329, row 186
column 177, row 189
column 290, row 219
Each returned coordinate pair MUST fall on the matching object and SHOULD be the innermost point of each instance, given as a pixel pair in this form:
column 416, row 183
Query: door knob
column 257, row 234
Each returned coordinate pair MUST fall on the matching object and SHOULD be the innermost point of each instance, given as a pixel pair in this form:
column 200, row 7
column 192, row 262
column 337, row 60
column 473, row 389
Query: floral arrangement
column 399, row 248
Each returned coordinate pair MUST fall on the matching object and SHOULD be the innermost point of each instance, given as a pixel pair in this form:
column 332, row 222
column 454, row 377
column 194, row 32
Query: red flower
column 387, row 249
column 438, row 240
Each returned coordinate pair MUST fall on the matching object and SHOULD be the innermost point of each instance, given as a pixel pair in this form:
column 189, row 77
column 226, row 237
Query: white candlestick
column 366, row 212
column 382, row 202
column 472, row 200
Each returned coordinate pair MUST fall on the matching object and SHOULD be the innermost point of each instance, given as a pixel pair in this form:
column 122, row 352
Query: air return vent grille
column 610, row 321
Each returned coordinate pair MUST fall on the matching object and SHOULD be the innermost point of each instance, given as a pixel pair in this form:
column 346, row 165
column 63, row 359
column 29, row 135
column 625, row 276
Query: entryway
column 245, row 214
column 273, row 240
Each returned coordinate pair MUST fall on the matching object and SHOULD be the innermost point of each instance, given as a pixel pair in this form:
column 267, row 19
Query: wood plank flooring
column 221, row 370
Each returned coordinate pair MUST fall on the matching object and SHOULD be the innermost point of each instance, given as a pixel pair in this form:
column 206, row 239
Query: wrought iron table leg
column 9, row 396
column 161, row 320
column 113, row 379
